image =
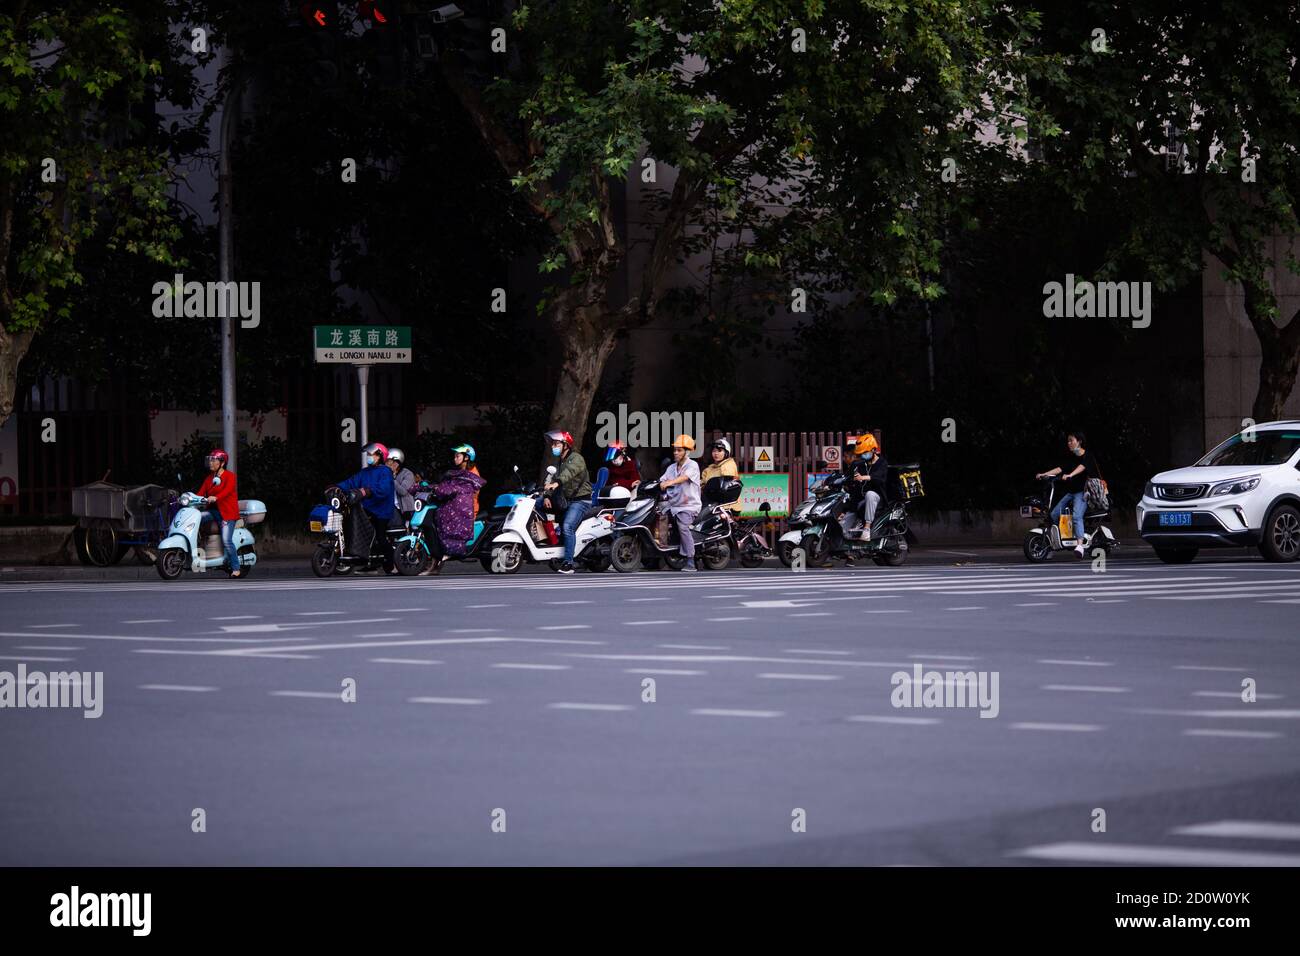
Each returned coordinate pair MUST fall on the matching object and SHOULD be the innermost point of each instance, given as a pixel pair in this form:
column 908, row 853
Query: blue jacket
column 378, row 482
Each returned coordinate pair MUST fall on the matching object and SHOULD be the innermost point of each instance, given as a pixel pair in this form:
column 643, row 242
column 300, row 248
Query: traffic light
column 320, row 15
column 321, row 18
column 382, row 42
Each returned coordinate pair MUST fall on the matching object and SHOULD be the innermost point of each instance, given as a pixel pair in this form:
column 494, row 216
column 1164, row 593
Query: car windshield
column 1268, row 448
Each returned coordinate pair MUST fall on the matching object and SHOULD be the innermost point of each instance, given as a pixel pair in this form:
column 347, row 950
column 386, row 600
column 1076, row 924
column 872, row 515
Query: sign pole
column 363, row 378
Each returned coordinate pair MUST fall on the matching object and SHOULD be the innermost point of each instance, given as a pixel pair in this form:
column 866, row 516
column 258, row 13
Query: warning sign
column 764, row 458
column 831, row 455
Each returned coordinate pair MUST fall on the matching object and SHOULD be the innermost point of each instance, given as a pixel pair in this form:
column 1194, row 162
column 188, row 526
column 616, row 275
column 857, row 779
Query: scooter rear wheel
column 716, row 557
column 785, row 552
column 171, row 562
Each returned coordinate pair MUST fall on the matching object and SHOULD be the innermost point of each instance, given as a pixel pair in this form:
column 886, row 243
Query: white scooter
column 180, row 550
column 524, row 536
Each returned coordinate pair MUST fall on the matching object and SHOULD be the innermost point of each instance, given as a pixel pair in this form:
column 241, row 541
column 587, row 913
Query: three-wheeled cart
column 113, row 519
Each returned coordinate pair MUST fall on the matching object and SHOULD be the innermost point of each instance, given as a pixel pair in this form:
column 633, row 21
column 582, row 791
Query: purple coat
column 454, row 518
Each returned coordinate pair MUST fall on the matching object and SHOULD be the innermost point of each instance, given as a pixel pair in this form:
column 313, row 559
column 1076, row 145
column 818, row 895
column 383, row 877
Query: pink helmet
column 375, row 448
column 220, row 455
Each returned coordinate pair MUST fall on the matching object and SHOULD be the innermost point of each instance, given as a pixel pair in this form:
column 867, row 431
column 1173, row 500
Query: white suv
column 1244, row 492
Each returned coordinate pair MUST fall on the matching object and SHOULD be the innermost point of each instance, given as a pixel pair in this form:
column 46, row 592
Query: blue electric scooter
column 180, row 550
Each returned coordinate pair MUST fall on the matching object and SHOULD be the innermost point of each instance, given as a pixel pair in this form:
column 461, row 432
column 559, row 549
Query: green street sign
column 362, row 344
column 769, row 487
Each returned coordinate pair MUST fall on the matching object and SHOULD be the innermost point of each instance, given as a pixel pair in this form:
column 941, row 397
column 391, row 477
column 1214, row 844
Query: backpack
column 1098, row 493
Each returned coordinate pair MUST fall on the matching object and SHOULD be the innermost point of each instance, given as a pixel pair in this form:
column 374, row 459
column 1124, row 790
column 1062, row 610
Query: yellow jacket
column 726, row 469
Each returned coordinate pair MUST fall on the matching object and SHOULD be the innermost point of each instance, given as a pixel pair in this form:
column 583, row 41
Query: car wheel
column 1281, row 534
column 1177, row 555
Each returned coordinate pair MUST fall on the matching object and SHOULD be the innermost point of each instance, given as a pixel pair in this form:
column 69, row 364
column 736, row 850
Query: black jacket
column 877, row 478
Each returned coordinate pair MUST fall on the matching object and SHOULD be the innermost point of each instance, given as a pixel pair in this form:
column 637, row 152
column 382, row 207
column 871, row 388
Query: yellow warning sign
column 764, row 458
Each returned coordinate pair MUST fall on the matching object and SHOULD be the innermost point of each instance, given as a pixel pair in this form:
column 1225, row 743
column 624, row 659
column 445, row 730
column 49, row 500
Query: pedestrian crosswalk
column 1025, row 587
column 1274, row 843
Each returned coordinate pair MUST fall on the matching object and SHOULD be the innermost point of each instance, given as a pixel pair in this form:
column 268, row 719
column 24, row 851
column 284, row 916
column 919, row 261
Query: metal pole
column 225, row 205
column 363, row 377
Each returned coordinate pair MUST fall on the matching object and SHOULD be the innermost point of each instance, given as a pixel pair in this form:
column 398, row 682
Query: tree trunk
column 1279, row 359
column 587, row 340
column 13, row 347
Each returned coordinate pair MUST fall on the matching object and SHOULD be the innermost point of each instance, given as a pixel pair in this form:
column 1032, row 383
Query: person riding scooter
column 682, row 479
column 403, row 482
column 462, row 456
column 722, row 466
column 456, row 491
column 623, row 470
column 219, row 491
column 870, row 473
column 375, row 482
column 1074, row 486
column 569, row 490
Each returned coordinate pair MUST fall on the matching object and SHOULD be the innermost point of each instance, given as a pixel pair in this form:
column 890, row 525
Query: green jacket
column 571, row 473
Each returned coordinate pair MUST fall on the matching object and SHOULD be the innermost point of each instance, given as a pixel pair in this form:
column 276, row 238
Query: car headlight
column 1236, row 486
column 1149, row 491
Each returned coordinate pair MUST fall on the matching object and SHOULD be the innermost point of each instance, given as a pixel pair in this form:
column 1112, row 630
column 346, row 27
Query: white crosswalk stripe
column 1142, row 854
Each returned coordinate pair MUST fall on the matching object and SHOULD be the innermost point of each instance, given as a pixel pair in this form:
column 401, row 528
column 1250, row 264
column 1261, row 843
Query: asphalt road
column 521, row 702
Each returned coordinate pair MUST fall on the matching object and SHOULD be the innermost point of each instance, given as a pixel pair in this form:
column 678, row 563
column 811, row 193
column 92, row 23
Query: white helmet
column 723, row 444
column 397, row 455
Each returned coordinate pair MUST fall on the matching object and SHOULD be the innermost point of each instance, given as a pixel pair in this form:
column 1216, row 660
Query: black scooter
column 632, row 544
column 341, row 519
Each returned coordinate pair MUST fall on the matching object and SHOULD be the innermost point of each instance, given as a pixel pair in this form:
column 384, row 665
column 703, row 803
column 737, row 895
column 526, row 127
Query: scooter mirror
column 765, row 507
column 550, row 469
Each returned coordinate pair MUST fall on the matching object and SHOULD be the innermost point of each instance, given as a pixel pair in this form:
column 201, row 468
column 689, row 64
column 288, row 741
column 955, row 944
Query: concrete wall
column 1232, row 351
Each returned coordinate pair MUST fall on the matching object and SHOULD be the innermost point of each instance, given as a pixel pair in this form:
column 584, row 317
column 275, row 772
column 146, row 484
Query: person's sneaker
column 565, row 568
column 690, row 565
column 1079, row 550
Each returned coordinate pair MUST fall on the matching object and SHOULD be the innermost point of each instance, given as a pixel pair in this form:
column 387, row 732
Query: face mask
column 1078, row 450
column 556, row 451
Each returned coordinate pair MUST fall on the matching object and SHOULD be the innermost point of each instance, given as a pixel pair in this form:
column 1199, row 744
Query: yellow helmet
column 865, row 444
column 684, row 441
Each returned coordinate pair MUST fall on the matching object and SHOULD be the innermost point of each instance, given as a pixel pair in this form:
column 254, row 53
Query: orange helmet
column 684, row 441
column 865, row 444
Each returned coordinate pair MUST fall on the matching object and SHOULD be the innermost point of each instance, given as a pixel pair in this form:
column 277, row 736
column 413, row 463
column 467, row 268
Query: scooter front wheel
column 324, row 561
column 785, row 552
column 1038, row 547
column 170, row 564
column 625, row 554
column 507, row 558
column 411, row 558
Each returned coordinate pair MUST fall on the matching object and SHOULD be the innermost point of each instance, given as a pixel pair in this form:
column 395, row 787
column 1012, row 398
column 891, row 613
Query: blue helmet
column 614, row 451
column 466, row 450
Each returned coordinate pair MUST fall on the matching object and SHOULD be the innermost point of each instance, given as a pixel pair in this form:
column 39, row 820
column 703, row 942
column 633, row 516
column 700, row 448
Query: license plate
column 1174, row 519
column 317, row 526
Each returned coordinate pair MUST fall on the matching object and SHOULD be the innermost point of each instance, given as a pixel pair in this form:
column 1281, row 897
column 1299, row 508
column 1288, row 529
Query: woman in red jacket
column 222, row 496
